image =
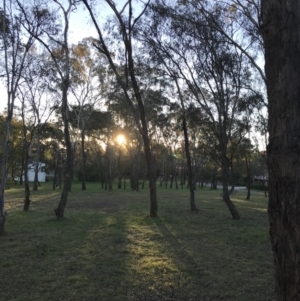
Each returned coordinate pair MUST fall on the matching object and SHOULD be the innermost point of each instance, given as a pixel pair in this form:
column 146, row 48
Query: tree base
column 26, row 205
column 2, row 223
column 59, row 213
column 234, row 213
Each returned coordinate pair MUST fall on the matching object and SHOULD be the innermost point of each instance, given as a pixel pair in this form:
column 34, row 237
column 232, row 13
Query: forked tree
column 128, row 79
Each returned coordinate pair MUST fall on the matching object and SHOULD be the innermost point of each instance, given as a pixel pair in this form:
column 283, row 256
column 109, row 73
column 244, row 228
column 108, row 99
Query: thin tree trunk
column 26, row 182
column 233, row 178
column 191, row 183
column 83, row 154
column 189, row 166
column 248, row 178
column 55, row 170
column 119, row 171
column 22, row 164
column 59, row 211
column 4, row 171
column 37, row 163
column 281, row 32
column 225, row 169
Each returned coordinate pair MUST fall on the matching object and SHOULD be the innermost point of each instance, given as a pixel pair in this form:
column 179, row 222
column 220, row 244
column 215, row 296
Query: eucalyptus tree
column 240, row 25
column 15, row 46
column 89, row 121
column 125, row 50
column 281, row 27
column 53, row 24
column 35, row 107
column 168, row 66
column 53, row 150
column 16, row 151
column 85, row 87
column 216, row 75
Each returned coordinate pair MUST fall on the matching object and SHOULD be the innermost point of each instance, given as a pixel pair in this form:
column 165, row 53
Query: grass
column 108, row 248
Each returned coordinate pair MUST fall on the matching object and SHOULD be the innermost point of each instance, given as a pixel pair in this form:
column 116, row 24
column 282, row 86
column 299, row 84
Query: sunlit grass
column 108, row 248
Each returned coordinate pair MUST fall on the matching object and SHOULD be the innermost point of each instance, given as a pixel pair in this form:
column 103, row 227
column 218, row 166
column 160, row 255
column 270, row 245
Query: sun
column 121, row 139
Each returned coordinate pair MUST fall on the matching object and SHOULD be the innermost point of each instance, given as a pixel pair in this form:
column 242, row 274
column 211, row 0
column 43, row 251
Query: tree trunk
column 26, row 182
column 59, row 211
column 248, row 178
column 189, row 165
column 37, row 163
column 281, row 32
column 233, row 178
column 119, row 171
column 226, row 198
column 22, row 164
column 213, row 183
column 83, row 154
column 152, row 176
column 55, row 170
column 6, row 149
column 4, row 173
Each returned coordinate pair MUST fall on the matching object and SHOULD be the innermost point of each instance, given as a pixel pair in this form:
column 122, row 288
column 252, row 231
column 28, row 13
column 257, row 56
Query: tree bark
column 281, row 32
column 59, row 211
column 83, row 154
column 4, row 172
column 248, row 178
column 225, row 170
column 189, row 166
column 119, row 170
column 26, row 182
column 37, row 163
column 22, row 164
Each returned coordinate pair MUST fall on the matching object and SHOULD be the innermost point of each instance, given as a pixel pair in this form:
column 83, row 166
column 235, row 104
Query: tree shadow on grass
column 216, row 268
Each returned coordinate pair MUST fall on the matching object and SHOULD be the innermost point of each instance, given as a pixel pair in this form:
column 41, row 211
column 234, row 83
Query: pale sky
column 80, row 28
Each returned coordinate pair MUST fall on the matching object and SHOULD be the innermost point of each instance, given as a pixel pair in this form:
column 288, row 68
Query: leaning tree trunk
column 281, row 32
column 59, row 211
column 226, row 196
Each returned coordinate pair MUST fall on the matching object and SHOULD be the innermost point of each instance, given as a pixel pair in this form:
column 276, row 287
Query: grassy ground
column 108, row 248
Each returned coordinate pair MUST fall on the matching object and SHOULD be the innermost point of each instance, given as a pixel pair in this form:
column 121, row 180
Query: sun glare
column 121, row 139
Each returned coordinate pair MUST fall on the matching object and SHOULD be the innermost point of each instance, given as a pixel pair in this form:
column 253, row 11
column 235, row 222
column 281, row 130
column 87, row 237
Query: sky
column 80, row 28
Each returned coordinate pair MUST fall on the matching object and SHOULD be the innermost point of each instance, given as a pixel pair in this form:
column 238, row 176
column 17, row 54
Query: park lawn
column 108, row 248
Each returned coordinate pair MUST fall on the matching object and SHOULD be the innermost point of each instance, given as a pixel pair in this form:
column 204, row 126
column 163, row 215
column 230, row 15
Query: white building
column 41, row 172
